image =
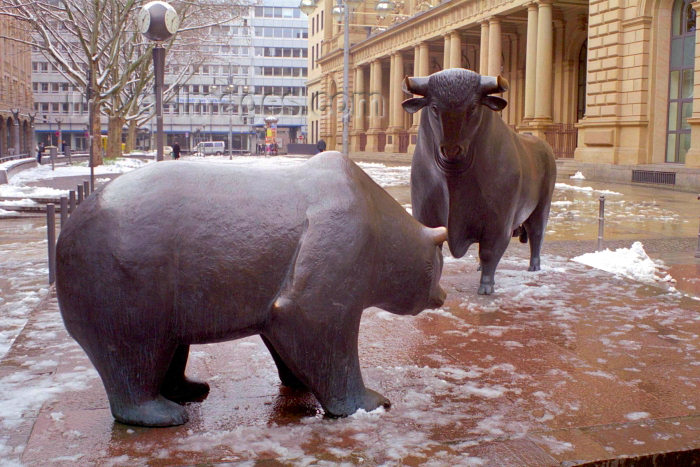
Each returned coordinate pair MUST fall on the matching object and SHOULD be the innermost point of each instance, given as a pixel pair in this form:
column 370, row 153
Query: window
column 680, row 89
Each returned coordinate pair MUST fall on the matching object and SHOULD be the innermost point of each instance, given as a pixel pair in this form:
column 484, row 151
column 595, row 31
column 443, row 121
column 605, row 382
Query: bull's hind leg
column 535, row 226
column 132, row 373
column 176, row 386
column 286, row 375
column 490, row 253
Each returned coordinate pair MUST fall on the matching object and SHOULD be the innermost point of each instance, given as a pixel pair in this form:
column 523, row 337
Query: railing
column 563, row 138
column 403, row 142
column 381, row 142
column 12, row 158
column 67, row 206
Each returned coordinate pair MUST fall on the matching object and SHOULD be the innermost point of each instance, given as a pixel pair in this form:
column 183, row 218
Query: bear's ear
column 439, row 235
column 494, row 102
column 414, row 104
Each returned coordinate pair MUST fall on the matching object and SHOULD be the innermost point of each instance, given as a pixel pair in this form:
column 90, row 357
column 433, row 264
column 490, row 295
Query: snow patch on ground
column 578, row 176
column 633, row 263
column 585, row 189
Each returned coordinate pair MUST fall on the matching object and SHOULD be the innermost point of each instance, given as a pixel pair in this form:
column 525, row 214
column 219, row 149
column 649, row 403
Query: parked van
column 209, row 148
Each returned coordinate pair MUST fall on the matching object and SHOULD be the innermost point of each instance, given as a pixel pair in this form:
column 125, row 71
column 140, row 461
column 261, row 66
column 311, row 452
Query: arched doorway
column 3, row 138
column 680, row 87
column 9, row 137
column 581, row 81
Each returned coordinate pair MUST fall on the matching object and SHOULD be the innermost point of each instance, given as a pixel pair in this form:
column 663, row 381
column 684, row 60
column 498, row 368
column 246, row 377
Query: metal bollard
column 601, row 222
column 51, row 236
column 71, row 201
column 86, row 188
column 697, row 250
column 80, row 194
column 64, row 211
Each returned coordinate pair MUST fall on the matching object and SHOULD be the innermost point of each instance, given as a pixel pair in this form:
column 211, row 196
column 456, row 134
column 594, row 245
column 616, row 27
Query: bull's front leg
column 490, row 252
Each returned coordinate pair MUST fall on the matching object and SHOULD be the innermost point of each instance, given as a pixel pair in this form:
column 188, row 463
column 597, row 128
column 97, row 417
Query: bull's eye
column 434, row 109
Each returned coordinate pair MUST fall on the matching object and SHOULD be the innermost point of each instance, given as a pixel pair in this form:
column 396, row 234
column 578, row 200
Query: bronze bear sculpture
column 472, row 173
column 180, row 253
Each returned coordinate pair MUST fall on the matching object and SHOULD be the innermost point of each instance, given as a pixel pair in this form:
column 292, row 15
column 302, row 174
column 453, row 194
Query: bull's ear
column 494, row 102
column 414, row 104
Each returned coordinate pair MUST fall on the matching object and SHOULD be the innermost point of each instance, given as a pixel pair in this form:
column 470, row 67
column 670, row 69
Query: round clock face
column 172, row 20
column 144, row 20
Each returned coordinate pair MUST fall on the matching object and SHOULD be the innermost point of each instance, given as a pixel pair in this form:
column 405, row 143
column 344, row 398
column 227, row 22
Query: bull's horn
column 415, row 85
column 439, row 235
column 491, row 85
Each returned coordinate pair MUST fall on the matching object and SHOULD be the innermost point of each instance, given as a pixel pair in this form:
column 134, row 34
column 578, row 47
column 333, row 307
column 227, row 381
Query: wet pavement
column 562, row 366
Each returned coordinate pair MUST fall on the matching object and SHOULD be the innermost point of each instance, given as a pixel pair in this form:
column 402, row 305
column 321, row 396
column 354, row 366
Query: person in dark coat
column 176, row 150
column 39, row 152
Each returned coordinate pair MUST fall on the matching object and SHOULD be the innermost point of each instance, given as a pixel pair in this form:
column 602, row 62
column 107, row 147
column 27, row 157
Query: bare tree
column 96, row 46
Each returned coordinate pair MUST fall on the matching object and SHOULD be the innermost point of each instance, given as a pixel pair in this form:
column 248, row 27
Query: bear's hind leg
column 176, row 386
column 132, row 373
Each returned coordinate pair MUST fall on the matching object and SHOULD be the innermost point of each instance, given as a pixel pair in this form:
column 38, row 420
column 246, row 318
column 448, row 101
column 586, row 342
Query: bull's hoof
column 157, row 412
column 188, row 390
column 485, row 289
column 369, row 401
column 534, row 268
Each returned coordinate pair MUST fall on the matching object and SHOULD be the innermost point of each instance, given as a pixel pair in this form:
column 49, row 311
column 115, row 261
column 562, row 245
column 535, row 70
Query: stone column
column 446, row 52
column 543, row 88
column 392, row 91
column 455, row 50
column 396, row 112
column 495, row 62
column 484, row 50
column 398, row 91
column 530, row 62
column 359, row 109
column 692, row 157
column 375, row 109
column 424, row 65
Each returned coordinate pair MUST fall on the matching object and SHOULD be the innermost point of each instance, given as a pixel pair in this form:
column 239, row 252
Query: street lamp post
column 158, row 21
column 342, row 10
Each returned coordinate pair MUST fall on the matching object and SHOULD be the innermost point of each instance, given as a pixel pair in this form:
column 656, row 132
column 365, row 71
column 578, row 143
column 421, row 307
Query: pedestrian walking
column 176, row 150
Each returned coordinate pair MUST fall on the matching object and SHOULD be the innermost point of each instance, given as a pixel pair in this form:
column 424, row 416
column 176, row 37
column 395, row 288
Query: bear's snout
column 437, row 298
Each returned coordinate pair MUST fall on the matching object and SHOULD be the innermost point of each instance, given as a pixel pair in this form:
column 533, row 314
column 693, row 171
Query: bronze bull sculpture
column 472, row 173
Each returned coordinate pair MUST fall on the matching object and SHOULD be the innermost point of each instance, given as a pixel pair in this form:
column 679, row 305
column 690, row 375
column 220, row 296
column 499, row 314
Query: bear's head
column 410, row 283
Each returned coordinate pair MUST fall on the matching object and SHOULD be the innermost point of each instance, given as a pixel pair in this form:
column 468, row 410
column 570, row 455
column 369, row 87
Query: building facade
column 16, row 116
column 251, row 68
column 605, row 82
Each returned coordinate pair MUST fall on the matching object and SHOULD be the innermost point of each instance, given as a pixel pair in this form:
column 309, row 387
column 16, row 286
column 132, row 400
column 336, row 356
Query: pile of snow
column 578, row 176
column 632, row 262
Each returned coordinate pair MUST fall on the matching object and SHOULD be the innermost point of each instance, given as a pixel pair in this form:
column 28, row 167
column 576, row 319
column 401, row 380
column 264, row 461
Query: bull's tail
column 521, row 233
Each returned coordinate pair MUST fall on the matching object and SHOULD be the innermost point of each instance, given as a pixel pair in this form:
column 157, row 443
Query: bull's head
column 455, row 101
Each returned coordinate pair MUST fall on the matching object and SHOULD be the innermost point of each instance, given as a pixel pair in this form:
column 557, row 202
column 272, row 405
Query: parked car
column 208, row 148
